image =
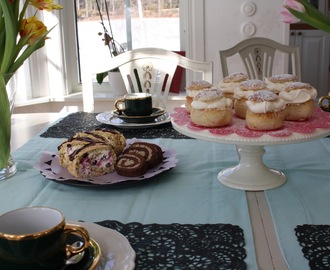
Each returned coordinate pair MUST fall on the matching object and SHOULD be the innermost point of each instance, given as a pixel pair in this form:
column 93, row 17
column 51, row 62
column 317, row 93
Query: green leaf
column 11, row 34
column 316, row 22
column 100, row 77
column 5, row 124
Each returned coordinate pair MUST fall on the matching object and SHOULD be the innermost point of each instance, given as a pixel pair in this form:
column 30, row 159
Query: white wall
column 224, row 23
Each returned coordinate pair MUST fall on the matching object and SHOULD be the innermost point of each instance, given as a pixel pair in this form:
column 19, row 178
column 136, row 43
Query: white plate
column 117, row 253
column 110, row 119
column 50, row 168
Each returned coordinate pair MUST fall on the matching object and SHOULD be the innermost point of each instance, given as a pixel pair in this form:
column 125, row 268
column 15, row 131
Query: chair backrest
column 258, row 54
column 152, row 69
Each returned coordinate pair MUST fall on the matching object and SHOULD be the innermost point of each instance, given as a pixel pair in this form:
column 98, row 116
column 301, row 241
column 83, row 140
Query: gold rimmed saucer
column 156, row 112
column 90, row 260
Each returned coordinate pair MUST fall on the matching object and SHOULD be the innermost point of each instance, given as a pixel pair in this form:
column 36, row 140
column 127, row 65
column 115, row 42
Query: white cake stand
column 251, row 173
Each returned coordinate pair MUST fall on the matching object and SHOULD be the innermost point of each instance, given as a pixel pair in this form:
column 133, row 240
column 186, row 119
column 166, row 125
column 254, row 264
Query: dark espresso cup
column 135, row 104
column 38, row 236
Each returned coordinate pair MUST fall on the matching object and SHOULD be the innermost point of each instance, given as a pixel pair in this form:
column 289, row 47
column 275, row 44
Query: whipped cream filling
column 228, row 87
column 238, row 93
column 194, row 93
column 266, row 106
column 299, row 95
column 221, row 104
column 276, row 87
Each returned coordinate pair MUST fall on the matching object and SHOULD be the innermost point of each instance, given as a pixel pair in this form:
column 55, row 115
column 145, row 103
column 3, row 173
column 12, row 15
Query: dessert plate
column 117, row 253
column 156, row 112
column 110, row 118
column 91, row 258
column 50, row 168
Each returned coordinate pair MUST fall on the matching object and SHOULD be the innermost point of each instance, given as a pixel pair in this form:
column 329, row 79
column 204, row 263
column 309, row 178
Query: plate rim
column 156, row 114
column 132, row 125
column 93, row 228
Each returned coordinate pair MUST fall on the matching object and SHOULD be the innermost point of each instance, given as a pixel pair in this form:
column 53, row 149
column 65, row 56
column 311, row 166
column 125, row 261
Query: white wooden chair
column 258, row 54
column 146, row 70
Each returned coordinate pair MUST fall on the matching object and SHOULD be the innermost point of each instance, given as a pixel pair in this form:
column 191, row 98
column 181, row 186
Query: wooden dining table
column 189, row 194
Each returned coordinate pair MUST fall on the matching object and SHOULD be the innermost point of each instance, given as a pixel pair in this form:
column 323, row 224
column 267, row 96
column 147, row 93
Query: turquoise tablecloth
column 305, row 198
column 188, row 194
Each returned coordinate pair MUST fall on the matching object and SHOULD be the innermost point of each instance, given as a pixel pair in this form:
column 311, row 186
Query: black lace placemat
column 82, row 121
column 179, row 246
column 315, row 243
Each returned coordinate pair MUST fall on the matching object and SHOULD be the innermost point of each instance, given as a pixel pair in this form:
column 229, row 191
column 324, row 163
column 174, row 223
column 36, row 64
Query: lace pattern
column 184, row 246
column 315, row 243
column 83, row 121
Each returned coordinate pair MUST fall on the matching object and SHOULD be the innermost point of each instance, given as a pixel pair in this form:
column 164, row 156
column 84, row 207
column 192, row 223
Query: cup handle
column 120, row 105
column 325, row 108
column 80, row 231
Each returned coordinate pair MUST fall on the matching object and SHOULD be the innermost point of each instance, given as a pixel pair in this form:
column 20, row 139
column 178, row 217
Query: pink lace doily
column 50, row 168
column 319, row 120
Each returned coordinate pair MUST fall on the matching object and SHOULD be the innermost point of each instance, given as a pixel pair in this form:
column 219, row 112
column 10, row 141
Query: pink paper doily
column 238, row 131
column 50, row 168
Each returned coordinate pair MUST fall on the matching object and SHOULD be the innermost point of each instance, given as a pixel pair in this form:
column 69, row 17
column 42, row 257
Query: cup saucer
column 156, row 112
column 89, row 261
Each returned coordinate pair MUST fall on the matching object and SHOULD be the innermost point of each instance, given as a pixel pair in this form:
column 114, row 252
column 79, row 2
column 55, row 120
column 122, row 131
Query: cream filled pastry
column 194, row 88
column 277, row 83
column 211, row 109
column 266, row 111
column 242, row 92
column 300, row 100
column 231, row 82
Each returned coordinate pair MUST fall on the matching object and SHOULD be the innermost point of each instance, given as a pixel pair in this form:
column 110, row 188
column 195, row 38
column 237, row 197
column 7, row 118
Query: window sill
column 103, row 101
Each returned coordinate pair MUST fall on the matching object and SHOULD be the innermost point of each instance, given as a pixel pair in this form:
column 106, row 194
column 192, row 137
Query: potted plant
column 20, row 36
column 115, row 48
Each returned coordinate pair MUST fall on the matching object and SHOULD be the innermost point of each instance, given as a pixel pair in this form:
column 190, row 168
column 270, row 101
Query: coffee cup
column 135, row 104
column 324, row 103
column 38, row 236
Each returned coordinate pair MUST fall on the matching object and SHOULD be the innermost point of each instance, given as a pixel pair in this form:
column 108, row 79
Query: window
column 54, row 71
column 132, row 24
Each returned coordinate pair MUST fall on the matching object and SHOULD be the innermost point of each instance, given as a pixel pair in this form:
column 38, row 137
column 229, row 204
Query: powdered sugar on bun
column 229, row 83
column 209, row 95
column 248, row 87
column 283, row 78
column 211, row 100
column 298, row 92
column 252, row 85
column 265, row 101
column 263, row 95
column 298, row 86
column 199, row 85
column 277, row 83
column 236, row 77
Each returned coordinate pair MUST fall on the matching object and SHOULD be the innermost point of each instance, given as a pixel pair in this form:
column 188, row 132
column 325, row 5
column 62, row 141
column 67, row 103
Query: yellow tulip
column 33, row 29
column 45, row 5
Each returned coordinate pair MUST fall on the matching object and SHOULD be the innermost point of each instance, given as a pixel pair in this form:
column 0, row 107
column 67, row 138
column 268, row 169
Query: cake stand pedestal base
column 251, row 173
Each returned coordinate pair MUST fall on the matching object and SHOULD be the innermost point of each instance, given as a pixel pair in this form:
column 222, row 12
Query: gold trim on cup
column 18, row 237
column 323, row 107
column 80, row 231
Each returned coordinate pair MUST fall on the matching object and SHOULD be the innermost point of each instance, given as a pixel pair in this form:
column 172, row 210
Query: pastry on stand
column 251, row 173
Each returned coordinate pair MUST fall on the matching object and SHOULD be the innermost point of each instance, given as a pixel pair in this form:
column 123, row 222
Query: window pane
column 133, row 24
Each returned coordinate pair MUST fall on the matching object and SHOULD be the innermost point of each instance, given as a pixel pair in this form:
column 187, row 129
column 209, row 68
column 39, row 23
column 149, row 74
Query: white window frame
column 54, row 69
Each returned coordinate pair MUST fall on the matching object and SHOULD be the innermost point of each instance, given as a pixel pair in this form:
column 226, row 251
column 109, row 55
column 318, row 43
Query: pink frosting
column 319, row 119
